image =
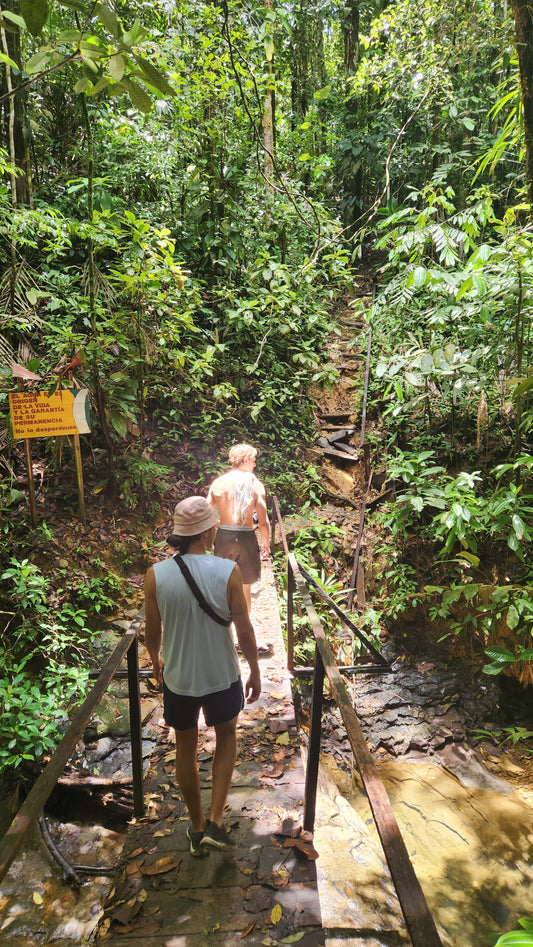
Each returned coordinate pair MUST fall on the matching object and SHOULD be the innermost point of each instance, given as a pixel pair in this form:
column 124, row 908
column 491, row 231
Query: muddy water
column 37, row 907
column 472, row 850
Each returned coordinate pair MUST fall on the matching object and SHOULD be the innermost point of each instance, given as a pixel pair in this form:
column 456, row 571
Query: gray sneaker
column 215, row 836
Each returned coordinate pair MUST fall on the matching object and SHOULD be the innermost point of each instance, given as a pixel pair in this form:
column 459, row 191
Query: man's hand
column 245, row 633
column 253, row 687
column 157, row 666
column 265, row 551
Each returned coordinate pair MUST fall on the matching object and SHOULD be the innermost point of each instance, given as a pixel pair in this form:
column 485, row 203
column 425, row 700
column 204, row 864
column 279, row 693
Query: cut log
column 338, row 435
column 334, row 414
column 340, row 455
column 338, row 427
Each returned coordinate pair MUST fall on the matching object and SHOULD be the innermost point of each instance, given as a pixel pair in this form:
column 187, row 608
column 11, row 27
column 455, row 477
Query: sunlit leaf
column 276, row 914
column 154, row 76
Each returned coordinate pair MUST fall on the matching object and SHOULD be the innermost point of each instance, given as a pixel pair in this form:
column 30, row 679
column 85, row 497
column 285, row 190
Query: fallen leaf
column 142, row 896
column 283, row 738
column 306, row 847
column 278, row 695
column 247, row 930
column 281, row 877
column 146, row 930
column 293, row 938
column 120, row 928
column 37, row 898
column 160, row 867
column 273, row 772
column 153, row 910
column 136, row 851
column 276, row 914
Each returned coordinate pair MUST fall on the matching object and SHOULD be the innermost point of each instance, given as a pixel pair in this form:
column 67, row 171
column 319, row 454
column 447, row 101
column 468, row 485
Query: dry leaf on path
column 247, row 930
column 274, row 772
column 306, row 847
column 281, row 877
column 163, row 865
column 120, row 928
column 148, row 929
column 276, row 914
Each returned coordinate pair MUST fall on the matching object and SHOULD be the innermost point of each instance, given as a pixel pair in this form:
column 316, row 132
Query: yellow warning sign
column 39, row 414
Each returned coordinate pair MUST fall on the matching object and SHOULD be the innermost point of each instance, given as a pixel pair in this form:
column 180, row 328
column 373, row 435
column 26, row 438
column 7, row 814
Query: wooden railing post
column 134, row 698
column 290, row 616
column 313, row 752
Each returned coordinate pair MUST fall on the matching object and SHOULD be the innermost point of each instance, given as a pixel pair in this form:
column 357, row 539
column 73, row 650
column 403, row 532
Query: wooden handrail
column 32, row 806
column 418, row 918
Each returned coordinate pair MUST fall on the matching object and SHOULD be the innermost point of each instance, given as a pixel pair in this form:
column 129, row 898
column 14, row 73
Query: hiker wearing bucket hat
column 191, row 599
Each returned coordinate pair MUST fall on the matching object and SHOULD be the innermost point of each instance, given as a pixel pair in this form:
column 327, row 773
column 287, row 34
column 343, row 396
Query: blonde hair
column 240, row 453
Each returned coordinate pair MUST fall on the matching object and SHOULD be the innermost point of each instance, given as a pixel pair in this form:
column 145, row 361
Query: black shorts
column 182, row 711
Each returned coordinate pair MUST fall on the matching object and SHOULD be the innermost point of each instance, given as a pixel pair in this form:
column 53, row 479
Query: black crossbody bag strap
column 198, row 595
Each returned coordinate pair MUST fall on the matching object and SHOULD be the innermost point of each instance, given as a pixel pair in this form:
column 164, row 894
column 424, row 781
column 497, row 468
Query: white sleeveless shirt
column 199, row 655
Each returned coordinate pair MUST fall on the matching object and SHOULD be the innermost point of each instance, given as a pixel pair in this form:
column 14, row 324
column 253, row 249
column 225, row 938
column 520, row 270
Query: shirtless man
column 237, row 494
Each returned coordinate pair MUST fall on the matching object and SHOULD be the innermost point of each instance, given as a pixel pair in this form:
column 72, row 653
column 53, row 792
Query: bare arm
column 153, row 634
column 245, row 633
column 262, row 517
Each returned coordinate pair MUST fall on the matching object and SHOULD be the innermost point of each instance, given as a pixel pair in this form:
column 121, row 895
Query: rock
column 339, row 480
column 462, row 763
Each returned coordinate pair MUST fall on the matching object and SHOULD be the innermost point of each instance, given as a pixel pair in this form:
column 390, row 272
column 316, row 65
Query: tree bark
column 268, row 117
column 352, row 177
column 15, row 115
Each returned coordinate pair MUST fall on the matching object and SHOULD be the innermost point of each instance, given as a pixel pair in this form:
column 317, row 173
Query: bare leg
column 188, row 776
column 248, row 596
column 223, row 766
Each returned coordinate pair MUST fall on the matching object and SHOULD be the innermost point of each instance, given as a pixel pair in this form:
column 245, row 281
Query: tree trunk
column 15, row 113
column 523, row 17
column 352, row 175
column 268, row 116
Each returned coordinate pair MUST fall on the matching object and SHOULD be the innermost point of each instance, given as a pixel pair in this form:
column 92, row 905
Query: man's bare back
column 237, row 495
column 224, row 492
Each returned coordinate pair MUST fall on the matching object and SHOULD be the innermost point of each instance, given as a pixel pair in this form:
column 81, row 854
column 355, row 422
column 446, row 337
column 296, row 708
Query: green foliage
column 32, row 709
column 523, row 938
column 108, row 54
column 40, row 651
column 143, row 481
column 314, row 542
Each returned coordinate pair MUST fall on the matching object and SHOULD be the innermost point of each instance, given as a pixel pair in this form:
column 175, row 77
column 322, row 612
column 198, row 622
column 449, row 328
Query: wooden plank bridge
column 266, row 889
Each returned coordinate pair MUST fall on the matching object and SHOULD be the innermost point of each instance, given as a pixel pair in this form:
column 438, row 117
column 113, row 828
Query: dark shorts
column 181, row 712
column 240, row 544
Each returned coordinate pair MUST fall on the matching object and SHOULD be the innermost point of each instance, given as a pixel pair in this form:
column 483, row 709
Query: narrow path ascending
column 264, row 890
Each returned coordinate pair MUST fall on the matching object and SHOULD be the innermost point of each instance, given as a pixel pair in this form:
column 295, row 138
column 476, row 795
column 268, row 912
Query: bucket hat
column 193, row 516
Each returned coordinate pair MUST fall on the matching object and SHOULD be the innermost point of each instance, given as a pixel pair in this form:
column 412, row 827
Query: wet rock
column 462, row 762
